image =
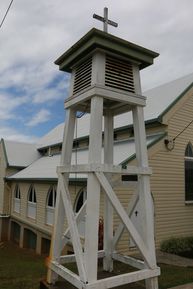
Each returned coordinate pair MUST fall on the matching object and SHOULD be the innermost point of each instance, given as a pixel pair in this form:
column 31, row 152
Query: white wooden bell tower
column 105, row 82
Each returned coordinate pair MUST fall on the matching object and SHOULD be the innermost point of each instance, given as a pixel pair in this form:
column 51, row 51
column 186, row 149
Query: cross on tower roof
column 105, row 20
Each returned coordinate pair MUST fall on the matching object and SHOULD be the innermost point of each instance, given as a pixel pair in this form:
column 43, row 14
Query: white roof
column 20, row 154
column 158, row 100
column 45, row 167
column 54, row 136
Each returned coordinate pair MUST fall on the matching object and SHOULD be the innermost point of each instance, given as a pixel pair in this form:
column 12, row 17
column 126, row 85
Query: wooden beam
column 129, row 260
column 120, row 229
column 125, row 219
column 56, row 242
column 93, row 190
column 123, row 279
column 105, row 168
column 72, row 227
column 106, row 93
column 145, row 200
column 108, row 209
column 66, row 274
column 81, row 213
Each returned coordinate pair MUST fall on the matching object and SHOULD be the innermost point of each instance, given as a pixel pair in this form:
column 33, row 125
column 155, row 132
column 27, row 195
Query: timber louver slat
column 119, row 74
column 83, row 76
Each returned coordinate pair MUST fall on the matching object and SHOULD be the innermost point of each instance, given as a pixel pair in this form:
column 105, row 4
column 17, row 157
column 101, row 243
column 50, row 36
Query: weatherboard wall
column 42, row 189
column 174, row 216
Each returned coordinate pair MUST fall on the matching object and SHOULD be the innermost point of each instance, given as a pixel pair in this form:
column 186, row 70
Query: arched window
column 31, row 210
column 188, row 166
column 50, row 205
column 79, row 201
column 17, row 199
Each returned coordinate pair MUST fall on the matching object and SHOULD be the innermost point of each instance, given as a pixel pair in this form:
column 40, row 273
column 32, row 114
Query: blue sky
column 36, row 33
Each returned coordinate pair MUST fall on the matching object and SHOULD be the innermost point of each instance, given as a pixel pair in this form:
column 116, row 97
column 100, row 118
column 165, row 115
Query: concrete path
column 172, row 259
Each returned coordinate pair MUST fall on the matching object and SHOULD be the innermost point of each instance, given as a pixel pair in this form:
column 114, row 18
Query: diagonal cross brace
column 72, row 227
column 81, row 213
column 125, row 219
column 120, row 229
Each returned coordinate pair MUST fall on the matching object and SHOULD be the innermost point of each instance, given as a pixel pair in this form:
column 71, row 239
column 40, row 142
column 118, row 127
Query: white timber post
column 57, row 242
column 93, row 190
column 108, row 209
column 145, row 201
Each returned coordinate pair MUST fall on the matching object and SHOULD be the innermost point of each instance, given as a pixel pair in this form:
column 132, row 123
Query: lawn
column 22, row 269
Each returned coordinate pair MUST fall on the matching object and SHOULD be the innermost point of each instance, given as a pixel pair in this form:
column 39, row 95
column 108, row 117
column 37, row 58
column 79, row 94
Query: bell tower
column 105, row 82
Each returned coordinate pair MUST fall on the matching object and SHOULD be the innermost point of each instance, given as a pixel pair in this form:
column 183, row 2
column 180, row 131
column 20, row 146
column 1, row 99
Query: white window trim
column 31, row 205
column 17, row 205
column 50, row 209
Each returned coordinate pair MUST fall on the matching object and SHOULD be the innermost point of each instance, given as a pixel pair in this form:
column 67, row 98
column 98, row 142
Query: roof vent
column 119, row 74
column 83, row 74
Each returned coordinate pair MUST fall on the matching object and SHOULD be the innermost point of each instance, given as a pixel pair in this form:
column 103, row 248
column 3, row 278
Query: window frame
column 81, row 191
column 17, row 199
column 32, row 203
column 50, row 209
column 188, row 168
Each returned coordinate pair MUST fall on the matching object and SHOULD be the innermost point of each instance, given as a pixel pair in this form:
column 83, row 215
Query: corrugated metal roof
column 20, row 154
column 54, row 136
column 158, row 100
column 45, row 167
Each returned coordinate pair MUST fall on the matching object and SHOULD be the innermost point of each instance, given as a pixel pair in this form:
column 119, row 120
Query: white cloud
column 13, row 134
column 8, row 104
column 41, row 116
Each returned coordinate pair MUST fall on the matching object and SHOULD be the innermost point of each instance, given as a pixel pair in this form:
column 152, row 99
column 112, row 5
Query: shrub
column 177, row 245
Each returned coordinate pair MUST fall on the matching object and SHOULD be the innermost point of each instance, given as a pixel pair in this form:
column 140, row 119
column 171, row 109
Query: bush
column 177, row 245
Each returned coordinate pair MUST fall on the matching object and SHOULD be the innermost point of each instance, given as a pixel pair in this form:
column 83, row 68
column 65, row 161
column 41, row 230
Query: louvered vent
column 119, row 74
column 83, row 76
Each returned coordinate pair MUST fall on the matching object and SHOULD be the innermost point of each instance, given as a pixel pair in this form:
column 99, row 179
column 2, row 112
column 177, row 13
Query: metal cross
column 105, row 20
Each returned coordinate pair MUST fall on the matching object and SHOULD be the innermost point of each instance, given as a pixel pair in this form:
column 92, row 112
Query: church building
column 28, row 177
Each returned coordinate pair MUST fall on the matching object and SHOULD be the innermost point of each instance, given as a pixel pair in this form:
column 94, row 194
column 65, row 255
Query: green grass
column 22, row 269
column 173, row 276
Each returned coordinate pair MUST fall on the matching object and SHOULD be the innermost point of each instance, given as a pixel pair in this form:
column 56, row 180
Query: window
column 80, row 199
column 50, row 205
column 17, row 199
column 31, row 210
column 188, row 166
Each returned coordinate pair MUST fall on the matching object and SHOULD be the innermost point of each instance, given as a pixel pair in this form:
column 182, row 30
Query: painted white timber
column 56, row 242
column 145, row 202
column 72, row 227
column 123, row 184
column 106, row 93
column 72, row 258
column 98, row 68
column 136, row 77
column 124, row 217
column 120, row 229
column 123, row 279
column 105, row 168
column 66, row 274
column 78, row 217
column 93, row 190
column 108, row 209
column 72, row 82
column 128, row 260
